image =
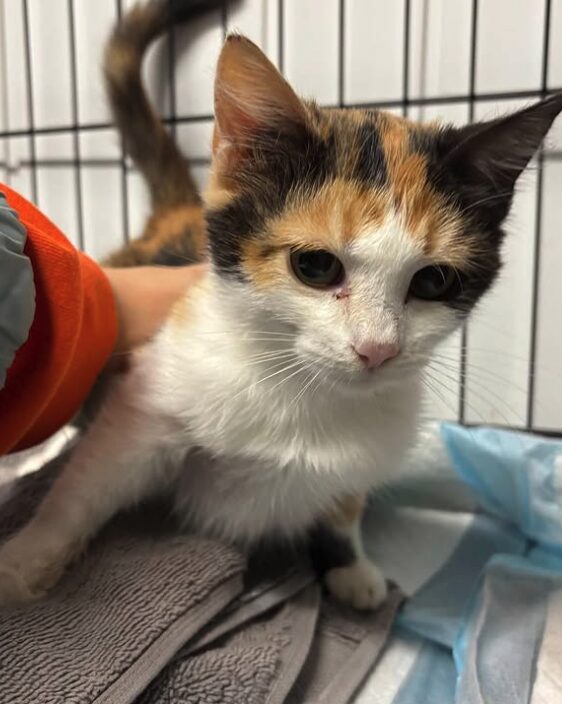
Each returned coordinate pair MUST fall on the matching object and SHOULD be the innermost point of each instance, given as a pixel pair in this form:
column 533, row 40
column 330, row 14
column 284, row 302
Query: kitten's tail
column 145, row 138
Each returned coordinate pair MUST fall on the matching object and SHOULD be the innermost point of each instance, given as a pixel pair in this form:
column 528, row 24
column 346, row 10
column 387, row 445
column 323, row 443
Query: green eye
column 435, row 283
column 317, row 268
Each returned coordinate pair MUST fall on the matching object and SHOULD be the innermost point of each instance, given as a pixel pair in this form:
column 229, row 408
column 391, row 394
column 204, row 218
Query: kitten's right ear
column 252, row 99
column 503, row 147
column 494, row 153
column 487, row 158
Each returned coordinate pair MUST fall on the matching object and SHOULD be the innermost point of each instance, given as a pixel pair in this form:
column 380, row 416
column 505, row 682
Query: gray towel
column 307, row 651
column 153, row 616
column 346, row 647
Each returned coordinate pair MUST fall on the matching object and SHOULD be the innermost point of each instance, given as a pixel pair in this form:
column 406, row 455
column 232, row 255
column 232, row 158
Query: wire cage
column 455, row 60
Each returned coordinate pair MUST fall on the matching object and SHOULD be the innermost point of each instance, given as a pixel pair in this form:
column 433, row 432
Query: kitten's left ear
column 492, row 155
column 252, row 98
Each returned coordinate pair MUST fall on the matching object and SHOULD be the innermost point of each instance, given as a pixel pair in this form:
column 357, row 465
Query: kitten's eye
column 435, row 283
column 317, row 268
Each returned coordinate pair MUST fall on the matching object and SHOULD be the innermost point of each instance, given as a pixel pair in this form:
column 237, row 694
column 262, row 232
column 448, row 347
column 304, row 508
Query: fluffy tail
column 146, row 140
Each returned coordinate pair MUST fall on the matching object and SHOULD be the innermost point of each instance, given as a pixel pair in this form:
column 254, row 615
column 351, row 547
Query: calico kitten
column 344, row 245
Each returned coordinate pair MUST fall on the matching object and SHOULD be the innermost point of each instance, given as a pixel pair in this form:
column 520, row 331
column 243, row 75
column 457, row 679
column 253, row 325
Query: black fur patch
column 179, row 251
column 371, row 164
column 166, row 257
column 281, row 167
column 485, row 206
column 329, row 549
column 477, row 281
column 229, row 227
column 483, row 212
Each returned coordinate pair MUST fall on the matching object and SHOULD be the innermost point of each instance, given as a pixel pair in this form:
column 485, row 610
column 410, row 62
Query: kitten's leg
column 338, row 552
column 114, row 465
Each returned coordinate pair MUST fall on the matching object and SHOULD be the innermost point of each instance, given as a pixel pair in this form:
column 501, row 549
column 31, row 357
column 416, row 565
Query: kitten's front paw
column 360, row 584
column 26, row 571
column 13, row 587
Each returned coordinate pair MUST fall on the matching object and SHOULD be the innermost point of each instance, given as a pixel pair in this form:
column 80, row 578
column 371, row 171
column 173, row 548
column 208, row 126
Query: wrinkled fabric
column 154, row 616
column 516, row 477
column 70, row 340
column 474, row 538
column 118, row 616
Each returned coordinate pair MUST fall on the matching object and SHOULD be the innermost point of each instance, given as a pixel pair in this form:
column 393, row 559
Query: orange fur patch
column 166, row 226
column 338, row 213
column 162, row 233
column 220, row 190
column 179, row 313
column 347, row 511
column 427, row 216
column 407, row 173
column 184, row 310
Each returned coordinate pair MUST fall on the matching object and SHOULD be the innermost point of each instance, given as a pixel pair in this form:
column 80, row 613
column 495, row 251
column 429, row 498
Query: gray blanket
column 154, row 616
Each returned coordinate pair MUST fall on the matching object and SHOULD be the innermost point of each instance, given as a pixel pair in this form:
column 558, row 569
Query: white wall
column 340, row 52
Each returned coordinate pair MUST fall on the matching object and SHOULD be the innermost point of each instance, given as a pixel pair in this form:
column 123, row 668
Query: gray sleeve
column 17, row 290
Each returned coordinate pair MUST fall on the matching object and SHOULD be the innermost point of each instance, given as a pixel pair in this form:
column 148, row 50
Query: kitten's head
column 367, row 236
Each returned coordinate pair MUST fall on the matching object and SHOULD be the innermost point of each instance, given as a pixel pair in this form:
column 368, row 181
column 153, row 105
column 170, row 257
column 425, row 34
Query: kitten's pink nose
column 373, row 354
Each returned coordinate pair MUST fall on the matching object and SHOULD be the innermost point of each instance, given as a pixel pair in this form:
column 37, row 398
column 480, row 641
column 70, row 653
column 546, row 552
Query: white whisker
column 309, row 381
column 269, row 376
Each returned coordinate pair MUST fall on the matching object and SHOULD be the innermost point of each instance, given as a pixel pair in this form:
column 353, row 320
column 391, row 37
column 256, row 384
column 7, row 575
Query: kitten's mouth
column 355, row 379
column 348, row 376
column 392, row 373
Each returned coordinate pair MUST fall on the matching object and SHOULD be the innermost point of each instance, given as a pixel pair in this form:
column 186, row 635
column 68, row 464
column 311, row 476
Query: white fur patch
column 268, row 385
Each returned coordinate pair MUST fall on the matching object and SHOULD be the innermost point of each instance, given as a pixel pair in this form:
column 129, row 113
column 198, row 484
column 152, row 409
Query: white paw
column 14, row 588
column 360, row 584
column 27, row 570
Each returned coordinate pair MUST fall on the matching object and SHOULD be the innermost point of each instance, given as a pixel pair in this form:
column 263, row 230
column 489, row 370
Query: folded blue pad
column 474, row 537
column 515, row 476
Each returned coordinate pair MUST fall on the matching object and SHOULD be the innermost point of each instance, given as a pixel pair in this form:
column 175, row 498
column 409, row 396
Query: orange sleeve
column 72, row 335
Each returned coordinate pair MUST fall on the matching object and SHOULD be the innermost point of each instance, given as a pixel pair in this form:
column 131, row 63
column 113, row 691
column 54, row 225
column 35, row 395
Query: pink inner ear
column 233, row 123
column 230, row 139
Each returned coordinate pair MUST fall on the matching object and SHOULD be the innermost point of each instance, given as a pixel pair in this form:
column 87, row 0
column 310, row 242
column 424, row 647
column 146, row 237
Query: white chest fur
column 264, row 459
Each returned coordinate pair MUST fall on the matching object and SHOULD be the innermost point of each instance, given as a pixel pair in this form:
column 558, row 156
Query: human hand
column 144, row 295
